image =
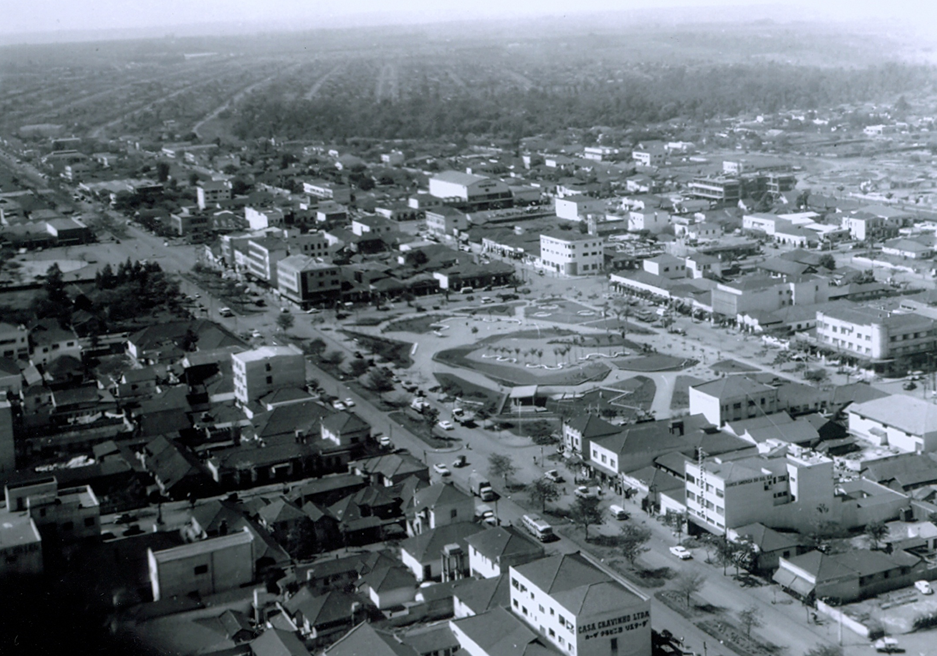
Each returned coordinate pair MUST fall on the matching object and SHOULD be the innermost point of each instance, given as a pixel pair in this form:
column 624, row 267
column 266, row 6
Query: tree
column 744, row 554
column 815, row 375
column 543, row 491
column 358, row 367
column 541, row 432
column 689, row 583
column 501, row 465
column 316, row 347
column 876, row 532
column 750, row 618
column 632, row 540
column 827, row 261
column 162, row 171
column 676, row 521
column 585, row 512
column 430, row 415
column 285, row 321
column 380, row 380
column 333, row 357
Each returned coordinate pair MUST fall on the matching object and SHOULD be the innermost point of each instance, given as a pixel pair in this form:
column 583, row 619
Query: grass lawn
column 654, row 362
column 467, row 390
column 389, row 349
column 511, row 374
column 733, row 367
column 419, row 324
column 681, row 392
column 419, row 428
column 502, row 309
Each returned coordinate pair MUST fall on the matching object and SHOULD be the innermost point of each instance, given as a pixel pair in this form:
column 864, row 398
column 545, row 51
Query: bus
column 539, row 528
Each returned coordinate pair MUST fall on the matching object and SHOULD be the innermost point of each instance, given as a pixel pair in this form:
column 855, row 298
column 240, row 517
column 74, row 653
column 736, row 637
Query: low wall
column 847, row 622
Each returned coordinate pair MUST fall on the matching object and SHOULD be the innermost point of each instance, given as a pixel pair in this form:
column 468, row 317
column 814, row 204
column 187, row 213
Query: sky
column 42, row 16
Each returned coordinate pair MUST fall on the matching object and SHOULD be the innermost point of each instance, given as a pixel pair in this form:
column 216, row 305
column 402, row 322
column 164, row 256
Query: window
column 453, row 513
column 269, row 380
column 68, row 526
column 201, row 569
column 89, row 521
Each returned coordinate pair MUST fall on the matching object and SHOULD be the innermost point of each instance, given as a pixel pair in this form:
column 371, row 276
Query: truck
column 480, row 487
column 460, row 416
column 418, row 404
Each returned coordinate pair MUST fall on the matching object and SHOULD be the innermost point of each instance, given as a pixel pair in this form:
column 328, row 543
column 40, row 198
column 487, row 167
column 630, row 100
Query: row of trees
column 667, row 93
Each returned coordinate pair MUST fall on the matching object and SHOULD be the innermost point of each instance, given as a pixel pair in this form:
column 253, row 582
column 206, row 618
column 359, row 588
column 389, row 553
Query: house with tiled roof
column 438, row 505
column 366, row 640
column 770, row 545
column 440, row 552
column 849, row 576
column 277, row 642
column 493, row 551
column 321, row 616
column 388, row 586
column 474, row 596
column 578, row 431
column 345, row 429
column 900, row 421
column 498, row 632
column 389, row 469
column 732, row 398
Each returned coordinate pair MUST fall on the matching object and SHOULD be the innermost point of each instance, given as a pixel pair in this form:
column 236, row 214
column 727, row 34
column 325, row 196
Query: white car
column 338, row 405
column 553, row 475
column 441, row 469
column 446, row 424
column 681, row 552
column 583, row 492
column 384, row 441
column 349, row 402
column 924, row 587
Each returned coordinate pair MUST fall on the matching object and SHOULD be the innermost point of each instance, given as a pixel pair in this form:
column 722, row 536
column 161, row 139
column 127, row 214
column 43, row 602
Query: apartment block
column 268, row 368
column 305, row 280
column 571, row 254
column 873, row 334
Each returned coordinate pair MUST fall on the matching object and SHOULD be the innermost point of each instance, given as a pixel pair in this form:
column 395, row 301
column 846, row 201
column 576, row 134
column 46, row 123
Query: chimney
column 676, row 427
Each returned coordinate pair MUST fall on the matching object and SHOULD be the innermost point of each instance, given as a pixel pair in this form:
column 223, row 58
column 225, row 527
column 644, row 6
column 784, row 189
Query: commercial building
column 261, row 371
column 307, row 281
column 766, row 293
column 580, row 609
column 445, row 221
column 732, row 398
column 20, row 546
column 60, row 515
column 14, row 341
column 721, row 190
column 328, row 191
column 571, row 254
column 209, row 193
column 204, row 567
column 575, row 208
column 900, row 421
column 871, row 334
column 468, row 191
column 726, row 494
column 493, row 552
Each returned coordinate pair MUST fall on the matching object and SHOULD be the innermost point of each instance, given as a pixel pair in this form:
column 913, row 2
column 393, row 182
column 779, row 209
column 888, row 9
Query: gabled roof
column 732, row 387
column 429, row 545
column 321, row 609
column 767, row 539
column 365, row 640
column 499, row 632
column 280, row 510
column 497, row 543
column 345, row 422
column 440, row 494
column 911, row 415
column 591, row 426
column 384, row 579
column 481, row 595
column 276, row 642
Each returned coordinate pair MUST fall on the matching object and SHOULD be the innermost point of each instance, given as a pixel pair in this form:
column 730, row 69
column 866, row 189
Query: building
column 439, row 553
column 48, row 340
column 900, row 421
column 654, row 155
column 327, row 191
column 184, row 223
column 846, row 577
column 720, row 189
column 264, row 217
column 666, row 266
column 446, row 221
column 308, row 281
column 60, row 515
column 14, row 341
column 7, row 444
column 210, row 193
column 438, row 505
column 345, row 429
column 732, row 398
column 469, row 191
column 579, row 431
column 20, row 546
column 767, row 293
column 263, row 256
column 576, row 207
column 202, row 568
column 572, row 254
column 871, row 334
column 648, row 219
column 263, row 370
column 493, row 552
column 908, row 249
column 780, row 489
column 699, row 265
column 580, row 609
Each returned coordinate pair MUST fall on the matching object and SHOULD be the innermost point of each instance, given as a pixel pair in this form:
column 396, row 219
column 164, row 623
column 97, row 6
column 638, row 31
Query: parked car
column 349, row 402
column 583, row 492
column 924, row 587
column 338, row 405
column 226, row 312
column 460, row 461
column 681, row 552
column 441, row 469
column 553, row 475
column 125, row 518
column 445, row 424
column 909, row 385
column 384, row 441
column 134, row 529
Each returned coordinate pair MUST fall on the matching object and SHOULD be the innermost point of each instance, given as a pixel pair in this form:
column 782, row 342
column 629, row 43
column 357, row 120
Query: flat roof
column 203, row 547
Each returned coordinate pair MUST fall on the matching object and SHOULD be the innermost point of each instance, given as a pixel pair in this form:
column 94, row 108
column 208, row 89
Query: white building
column 572, row 254
column 732, row 398
column 899, row 421
column 580, row 609
column 469, row 188
column 873, row 334
column 265, row 369
column 204, row 567
column 265, row 217
column 780, row 489
column 576, row 207
column 666, row 266
column 211, row 192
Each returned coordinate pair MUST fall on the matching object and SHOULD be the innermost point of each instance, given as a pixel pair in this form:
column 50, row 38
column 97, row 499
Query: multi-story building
column 653, row 155
column 20, row 546
column 265, row 369
column 211, row 192
column 572, row 254
column 666, row 266
column 723, row 494
column 184, row 222
column 328, row 190
column 579, row 609
column 264, row 217
column 575, row 208
column 732, row 398
column 49, row 340
column 305, row 280
column 722, row 190
column 445, row 221
column 60, row 515
column 263, row 255
column 871, row 334
column 899, row 421
column 204, row 567
column 766, row 293
column 7, row 444
column 14, row 341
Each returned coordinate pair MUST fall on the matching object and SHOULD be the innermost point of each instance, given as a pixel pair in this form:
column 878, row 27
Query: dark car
column 134, row 529
column 910, row 385
column 125, row 518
